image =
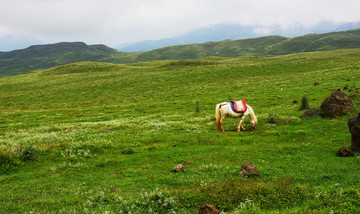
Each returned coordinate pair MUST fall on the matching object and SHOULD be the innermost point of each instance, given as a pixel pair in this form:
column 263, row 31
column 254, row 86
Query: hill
column 317, row 42
column 226, row 48
column 93, row 137
column 46, row 56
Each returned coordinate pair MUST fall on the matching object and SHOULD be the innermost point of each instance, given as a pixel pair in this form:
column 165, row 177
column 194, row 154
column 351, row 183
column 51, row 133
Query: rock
column 316, row 83
column 208, row 209
column 249, row 169
column 354, row 128
column 295, row 101
column 344, row 152
column 152, row 148
column 337, row 104
column 314, row 112
column 179, row 168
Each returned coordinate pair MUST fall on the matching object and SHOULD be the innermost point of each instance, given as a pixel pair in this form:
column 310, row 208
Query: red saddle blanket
column 238, row 106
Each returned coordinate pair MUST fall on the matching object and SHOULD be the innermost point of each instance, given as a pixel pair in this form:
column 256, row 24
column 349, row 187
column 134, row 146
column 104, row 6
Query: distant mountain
column 348, row 26
column 213, row 33
column 46, row 56
column 220, row 32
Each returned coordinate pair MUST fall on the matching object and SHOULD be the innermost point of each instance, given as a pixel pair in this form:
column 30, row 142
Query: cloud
column 114, row 22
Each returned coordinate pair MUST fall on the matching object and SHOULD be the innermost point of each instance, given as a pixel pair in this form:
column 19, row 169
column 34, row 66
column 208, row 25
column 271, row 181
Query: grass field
column 104, row 138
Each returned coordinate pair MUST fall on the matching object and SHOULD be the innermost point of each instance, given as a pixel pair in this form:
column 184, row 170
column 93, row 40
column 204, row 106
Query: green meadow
column 93, row 137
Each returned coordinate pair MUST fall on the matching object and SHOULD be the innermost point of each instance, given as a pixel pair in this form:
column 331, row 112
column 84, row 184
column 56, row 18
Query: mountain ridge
column 46, row 56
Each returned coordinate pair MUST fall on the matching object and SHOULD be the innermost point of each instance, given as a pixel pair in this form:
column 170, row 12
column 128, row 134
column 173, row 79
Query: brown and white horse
column 224, row 109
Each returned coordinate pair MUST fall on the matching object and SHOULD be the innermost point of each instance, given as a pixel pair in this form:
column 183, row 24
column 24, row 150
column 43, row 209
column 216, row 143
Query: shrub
column 27, row 153
column 272, row 118
column 8, row 160
column 128, row 151
column 304, row 103
column 197, row 107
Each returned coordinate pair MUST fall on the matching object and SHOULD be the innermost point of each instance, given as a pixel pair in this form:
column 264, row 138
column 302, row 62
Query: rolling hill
column 46, row 56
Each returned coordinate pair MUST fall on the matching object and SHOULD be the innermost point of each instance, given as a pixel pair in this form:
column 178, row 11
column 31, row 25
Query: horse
column 224, row 109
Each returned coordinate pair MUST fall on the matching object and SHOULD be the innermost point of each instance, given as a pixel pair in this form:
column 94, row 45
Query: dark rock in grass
column 314, row 112
column 152, row 148
column 344, row 152
column 127, row 151
column 354, row 128
column 337, row 104
column 179, row 168
column 249, row 169
column 295, row 101
column 316, row 83
column 208, row 209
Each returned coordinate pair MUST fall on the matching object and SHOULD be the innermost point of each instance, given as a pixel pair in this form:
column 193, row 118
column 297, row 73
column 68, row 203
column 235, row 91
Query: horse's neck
column 249, row 108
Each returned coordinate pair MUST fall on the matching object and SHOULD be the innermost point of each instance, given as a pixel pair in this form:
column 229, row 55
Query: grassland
column 94, row 137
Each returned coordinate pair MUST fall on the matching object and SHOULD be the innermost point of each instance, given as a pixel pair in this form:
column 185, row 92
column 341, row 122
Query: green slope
column 46, row 56
column 317, row 42
column 94, row 137
column 226, row 48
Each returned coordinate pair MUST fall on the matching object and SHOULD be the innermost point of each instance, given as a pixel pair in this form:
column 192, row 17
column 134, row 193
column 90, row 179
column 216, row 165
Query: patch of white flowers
column 77, row 153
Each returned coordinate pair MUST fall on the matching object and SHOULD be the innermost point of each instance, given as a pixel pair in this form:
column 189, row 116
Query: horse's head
column 253, row 123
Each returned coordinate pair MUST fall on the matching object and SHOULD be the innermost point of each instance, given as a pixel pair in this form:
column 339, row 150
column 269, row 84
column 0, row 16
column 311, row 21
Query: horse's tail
column 217, row 114
column 253, row 118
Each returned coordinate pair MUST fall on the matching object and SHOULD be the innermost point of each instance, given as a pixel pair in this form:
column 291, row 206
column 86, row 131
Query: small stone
column 316, row 83
column 208, row 209
column 295, row 101
column 179, row 168
column 344, row 152
column 249, row 169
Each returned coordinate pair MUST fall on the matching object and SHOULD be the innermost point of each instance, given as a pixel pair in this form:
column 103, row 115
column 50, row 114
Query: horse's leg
column 221, row 122
column 241, row 123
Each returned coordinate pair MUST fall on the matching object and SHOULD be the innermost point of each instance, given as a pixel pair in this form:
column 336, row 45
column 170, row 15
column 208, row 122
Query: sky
column 115, row 22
